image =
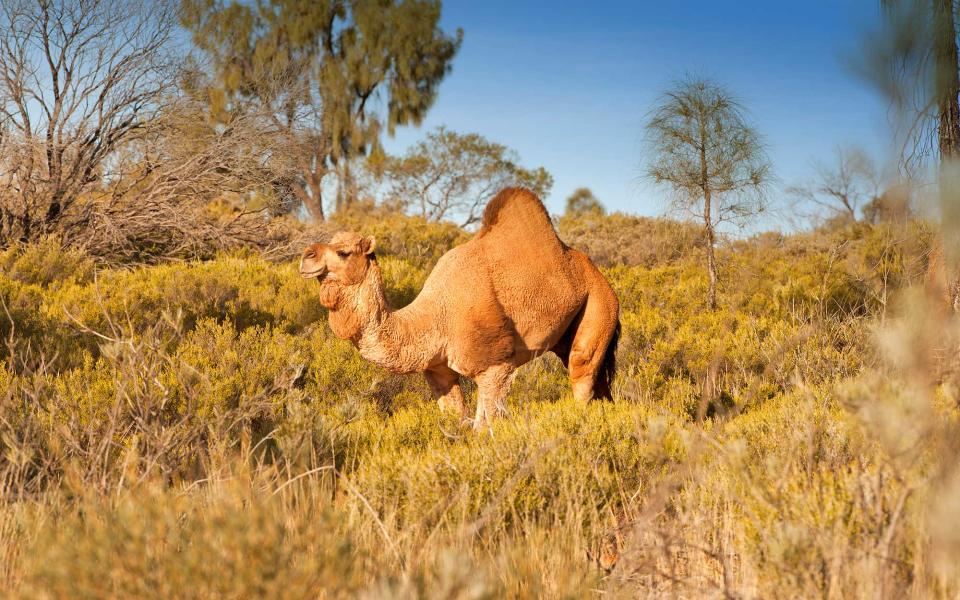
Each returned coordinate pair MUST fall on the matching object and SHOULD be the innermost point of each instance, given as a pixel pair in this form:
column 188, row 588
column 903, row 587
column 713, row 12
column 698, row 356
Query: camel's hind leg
column 445, row 383
column 596, row 329
column 493, row 385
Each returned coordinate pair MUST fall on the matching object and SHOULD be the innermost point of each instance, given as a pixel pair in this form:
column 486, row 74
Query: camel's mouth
column 319, row 273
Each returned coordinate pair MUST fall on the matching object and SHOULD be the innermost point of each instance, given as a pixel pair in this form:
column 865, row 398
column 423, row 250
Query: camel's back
column 516, row 218
column 528, row 266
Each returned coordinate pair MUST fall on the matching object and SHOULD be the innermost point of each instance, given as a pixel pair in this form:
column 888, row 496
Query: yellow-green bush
column 195, row 429
column 46, row 263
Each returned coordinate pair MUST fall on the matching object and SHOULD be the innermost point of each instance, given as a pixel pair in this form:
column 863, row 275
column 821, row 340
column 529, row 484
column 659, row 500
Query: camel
column 513, row 292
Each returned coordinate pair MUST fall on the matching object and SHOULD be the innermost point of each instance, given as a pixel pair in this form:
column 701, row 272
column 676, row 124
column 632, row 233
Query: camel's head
column 342, row 262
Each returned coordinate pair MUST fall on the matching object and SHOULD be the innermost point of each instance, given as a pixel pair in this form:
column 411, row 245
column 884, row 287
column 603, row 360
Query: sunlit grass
column 194, row 430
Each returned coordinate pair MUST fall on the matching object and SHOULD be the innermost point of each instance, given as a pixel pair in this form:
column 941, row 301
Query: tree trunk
column 947, row 78
column 311, row 195
column 711, row 259
column 947, row 89
column 346, row 188
column 708, row 217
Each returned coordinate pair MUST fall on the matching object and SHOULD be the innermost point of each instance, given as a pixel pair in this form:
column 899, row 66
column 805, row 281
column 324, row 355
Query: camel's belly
column 540, row 327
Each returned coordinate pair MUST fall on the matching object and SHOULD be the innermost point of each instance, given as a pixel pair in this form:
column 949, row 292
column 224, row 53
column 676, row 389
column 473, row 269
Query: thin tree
column 334, row 74
column 947, row 77
column 702, row 147
column 914, row 62
column 842, row 188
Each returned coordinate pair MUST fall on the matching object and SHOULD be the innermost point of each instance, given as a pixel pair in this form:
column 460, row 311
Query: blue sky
column 568, row 84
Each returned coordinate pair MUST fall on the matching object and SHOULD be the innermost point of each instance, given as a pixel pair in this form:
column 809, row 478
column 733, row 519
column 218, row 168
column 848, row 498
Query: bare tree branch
column 842, row 188
column 78, row 81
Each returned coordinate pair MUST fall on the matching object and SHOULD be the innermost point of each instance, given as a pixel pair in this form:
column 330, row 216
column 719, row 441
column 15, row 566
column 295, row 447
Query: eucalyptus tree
column 333, row 75
column 701, row 147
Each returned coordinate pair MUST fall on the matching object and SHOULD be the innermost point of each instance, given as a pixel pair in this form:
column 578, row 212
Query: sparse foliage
column 843, row 188
column 451, row 176
column 187, row 190
column 703, row 149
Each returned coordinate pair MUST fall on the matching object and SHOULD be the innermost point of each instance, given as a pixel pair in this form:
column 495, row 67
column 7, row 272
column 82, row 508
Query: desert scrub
column 620, row 239
column 233, row 540
column 247, row 291
column 742, row 353
column 24, row 330
column 47, row 263
column 198, row 426
column 533, row 465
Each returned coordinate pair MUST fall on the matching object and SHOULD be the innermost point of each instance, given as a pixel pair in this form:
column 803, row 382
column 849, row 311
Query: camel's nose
column 308, row 273
column 309, row 266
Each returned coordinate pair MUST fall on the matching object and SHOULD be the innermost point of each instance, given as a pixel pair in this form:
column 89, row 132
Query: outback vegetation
column 177, row 418
column 198, row 426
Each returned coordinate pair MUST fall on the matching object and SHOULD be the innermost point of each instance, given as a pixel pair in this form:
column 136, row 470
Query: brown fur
column 490, row 305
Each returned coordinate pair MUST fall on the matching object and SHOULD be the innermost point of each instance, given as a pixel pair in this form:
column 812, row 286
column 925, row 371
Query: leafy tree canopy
column 449, row 175
column 330, row 74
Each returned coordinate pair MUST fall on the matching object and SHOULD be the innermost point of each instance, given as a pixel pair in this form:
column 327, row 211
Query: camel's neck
column 389, row 338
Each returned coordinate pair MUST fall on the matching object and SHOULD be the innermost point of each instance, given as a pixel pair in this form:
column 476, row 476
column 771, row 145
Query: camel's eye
column 343, row 253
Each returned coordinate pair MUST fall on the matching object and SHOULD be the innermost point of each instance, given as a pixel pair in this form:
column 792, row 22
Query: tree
column 915, row 63
column 332, row 74
column 946, row 82
column 894, row 205
column 449, row 175
column 79, row 82
column 582, row 201
column 703, row 149
column 843, row 188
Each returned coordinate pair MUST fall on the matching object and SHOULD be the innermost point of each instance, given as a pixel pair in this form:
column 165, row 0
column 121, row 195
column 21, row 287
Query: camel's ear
column 368, row 245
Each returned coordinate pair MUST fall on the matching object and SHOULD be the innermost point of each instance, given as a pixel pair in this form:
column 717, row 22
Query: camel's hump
column 516, row 207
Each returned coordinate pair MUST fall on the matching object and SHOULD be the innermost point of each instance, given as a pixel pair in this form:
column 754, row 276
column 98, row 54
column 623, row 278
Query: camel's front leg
column 445, row 383
column 493, row 385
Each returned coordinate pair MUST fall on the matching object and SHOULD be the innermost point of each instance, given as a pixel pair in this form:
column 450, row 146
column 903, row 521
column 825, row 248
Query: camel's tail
column 602, row 387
